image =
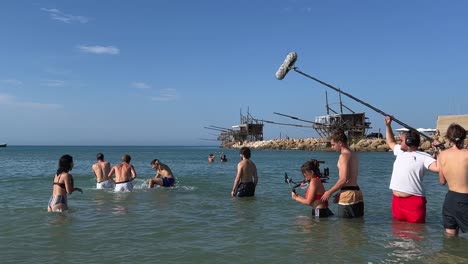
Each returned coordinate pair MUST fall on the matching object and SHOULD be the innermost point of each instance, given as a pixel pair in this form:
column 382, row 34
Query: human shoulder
column 64, row 176
column 345, row 155
column 424, row 154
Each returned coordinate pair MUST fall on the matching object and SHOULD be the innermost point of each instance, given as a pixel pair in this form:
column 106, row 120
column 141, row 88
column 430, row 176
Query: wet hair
column 100, row 156
column 126, row 158
column 339, row 136
column 245, row 151
column 456, row 134
column 154, row 161
column 65, row 164
column 311, row 165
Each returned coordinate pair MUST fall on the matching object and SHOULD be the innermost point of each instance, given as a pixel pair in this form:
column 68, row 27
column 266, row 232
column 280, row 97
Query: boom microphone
column 286, row 66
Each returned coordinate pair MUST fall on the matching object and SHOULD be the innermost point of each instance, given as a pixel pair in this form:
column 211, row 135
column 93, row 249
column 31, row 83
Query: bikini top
column 61, row 185
column 317, row 196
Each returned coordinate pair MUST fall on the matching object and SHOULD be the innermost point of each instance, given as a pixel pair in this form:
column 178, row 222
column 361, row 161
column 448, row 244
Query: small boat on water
column 3, row 145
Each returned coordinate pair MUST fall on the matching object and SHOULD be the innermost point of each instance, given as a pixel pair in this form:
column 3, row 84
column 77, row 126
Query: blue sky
column 158, row 72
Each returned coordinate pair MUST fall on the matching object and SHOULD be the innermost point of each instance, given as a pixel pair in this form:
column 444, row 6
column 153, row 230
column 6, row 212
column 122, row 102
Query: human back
column 248, row 170
column 453, row 162
column 123, row 172
column 101, row 168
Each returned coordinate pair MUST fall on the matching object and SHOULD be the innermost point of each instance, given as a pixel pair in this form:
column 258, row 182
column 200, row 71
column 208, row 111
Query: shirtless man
column 350, row 200
column 409, row 168
column 246, row 178
column 101, row 169
column 124, row 175
column 453, row 170
column 163, row 177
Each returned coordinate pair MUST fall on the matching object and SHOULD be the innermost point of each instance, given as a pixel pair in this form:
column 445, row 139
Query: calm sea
column 198, row 222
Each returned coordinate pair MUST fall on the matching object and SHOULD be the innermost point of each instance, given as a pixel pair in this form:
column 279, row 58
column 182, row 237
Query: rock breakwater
column 322, row 144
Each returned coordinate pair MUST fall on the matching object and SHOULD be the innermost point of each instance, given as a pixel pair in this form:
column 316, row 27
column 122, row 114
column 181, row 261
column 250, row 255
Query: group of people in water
column 409, row 168
column 410, row 165
column 119, row 177
column 212, row 158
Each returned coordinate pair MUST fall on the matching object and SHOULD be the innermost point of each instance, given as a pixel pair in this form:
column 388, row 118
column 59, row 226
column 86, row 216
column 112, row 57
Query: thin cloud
column 56, row 14
column 141, row 85
column 99, row 49
column 166, row 95
column 57, row 71
column 9, row 100
column 53, row 83
column 12, row 82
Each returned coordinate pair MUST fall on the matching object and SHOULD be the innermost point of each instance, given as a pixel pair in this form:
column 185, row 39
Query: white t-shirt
column 408, row 171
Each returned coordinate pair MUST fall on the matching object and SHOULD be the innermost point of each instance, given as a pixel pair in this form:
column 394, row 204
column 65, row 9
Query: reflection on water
column 407, row 242
column 121, row 202
column 60, row 218
column 200, row 220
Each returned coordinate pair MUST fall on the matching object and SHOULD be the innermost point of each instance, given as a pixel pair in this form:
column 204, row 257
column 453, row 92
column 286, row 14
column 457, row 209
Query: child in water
column 311, row 171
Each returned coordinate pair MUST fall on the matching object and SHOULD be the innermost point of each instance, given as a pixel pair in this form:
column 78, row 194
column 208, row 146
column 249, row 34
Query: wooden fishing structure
column 249, row 129
column 354, row 124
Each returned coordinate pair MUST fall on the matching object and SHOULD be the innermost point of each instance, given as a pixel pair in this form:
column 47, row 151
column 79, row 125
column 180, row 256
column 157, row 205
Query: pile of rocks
column 363, row 145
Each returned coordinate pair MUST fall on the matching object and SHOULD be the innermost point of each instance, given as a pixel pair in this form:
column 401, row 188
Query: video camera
column 323, row 176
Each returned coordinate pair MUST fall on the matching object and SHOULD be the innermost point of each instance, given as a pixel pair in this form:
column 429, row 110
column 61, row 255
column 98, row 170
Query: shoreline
column 322, row 144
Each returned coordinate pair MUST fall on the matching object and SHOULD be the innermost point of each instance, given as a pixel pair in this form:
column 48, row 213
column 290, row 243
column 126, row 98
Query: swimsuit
column 319, row 212
column 104, row 184
column 455, row 211
column 57, row 199
column 411, row 209
column 245, row 189
column 351, row 202
column 60, row 198
column 125, row 186
column 168, row 182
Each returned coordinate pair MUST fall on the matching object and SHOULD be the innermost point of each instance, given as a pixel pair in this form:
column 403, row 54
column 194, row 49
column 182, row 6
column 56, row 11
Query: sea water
column 198, row 222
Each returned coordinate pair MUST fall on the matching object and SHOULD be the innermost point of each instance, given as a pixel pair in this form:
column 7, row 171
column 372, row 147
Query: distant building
column 443, row 122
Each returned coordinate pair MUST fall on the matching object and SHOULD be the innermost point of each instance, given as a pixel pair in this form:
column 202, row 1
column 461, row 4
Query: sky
column 159, row 72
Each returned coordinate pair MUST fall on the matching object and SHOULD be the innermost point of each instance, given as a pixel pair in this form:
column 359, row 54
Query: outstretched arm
column 390, row 138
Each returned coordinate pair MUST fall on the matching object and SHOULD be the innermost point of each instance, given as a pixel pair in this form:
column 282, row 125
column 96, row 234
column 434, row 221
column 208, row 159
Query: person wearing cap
column 163, row 177
column 101, row 170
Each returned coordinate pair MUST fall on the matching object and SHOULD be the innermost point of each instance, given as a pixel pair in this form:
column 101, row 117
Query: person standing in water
column 246, row 178
column 124, row 175
column 311, row 171
column 101, row 170
column 453, row 171
column 410, row 166
column 62, row 185
column 350, row 200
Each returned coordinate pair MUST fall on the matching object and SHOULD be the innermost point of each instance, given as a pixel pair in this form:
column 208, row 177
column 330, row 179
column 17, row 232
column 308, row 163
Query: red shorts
column 410, row 209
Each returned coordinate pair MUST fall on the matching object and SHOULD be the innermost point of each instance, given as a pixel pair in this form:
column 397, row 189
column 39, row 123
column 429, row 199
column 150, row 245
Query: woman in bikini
column 62, row 185
column 311, row 171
